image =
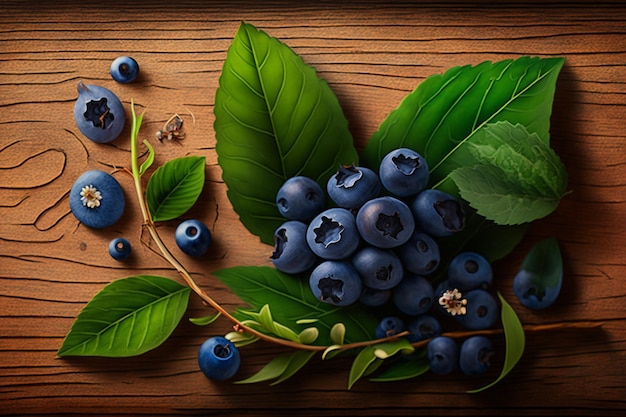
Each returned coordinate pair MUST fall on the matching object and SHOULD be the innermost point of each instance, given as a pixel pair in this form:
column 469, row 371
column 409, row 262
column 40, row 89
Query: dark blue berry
column 292, row 254
column 404, row 172
column 380, row 269
column 300, row 198
column 482, row 310
column 218, row 358
column 532, row 293
column 420, row 254
column 374, row 298
column 438, row 213
column 443, row 355
column 336, row 282
column 332, row 234
column 389, row 326
column 98, row 113
column 414, row 295
column 119, row 248
column 124, row 69
column 385, row 222
column 470, row 270
column 97, row 199
column 193, row 237
column 475, row 355
column 423, row 327
column 351, row 186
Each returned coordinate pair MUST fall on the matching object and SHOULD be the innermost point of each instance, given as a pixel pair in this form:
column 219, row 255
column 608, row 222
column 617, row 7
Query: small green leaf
column 306, row 321
column 515, row 341
column 281, row 367
column 174, row 187
column 404, row 368
column 338, row 333
column 388, row 349
column 308, row 335
column 362, row 364
column 517, row 178
column 331, row 351
column 127, row 317
column 296, row 362
column 206, row 320
column 149, row 159
column 241, row 338
column 545, row 263
column 274, row 119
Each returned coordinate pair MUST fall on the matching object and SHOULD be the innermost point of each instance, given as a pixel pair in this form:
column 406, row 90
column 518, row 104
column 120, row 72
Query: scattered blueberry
column 119, row 248
column 300, row 198
column 404, row 172
column 482, row 310
column 420, row 254
column 193, row 237
column 336, row 282
column 389, row 326
column 414, row 295
column 380, row 269
column 423, row 327
column 97, row 199
column 292, row 254
column 531, row 293
column 98, row 113
column 470, row 270
column 475, row 355
column 385, row 222
column 438, row 213
column 443, row 355
column 124, row 69
column 351, row 186
column 218, row 358
column 332, row 234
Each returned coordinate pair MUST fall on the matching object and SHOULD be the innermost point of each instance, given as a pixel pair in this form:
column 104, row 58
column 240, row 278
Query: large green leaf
column 274, row 119
column 175, row 187
column 291, row 300
column 127, row 317
column 445, row 110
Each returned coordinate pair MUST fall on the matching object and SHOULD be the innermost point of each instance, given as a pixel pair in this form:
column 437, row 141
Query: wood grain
column 372, row 54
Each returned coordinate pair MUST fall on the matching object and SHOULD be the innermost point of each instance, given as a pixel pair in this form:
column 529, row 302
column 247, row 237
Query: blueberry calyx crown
column 406, row 164
column 347, row 176
column 280, row 239
column 452, row 214
column 222, row 351
column 331, row 289
column 389, row 225
column 328, row 232
column 98, row 113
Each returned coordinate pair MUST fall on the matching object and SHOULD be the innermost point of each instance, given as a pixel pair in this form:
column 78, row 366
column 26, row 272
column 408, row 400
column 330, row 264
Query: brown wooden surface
column 372, row 55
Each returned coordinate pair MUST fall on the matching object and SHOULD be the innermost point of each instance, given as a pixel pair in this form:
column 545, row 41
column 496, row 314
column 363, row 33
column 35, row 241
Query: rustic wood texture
column 372, row 56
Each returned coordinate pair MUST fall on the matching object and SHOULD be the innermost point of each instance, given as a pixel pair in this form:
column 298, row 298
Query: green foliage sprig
column 483, row 129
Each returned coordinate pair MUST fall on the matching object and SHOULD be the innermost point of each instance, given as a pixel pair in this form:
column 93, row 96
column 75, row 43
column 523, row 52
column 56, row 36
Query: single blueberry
column 292, row 254
column 336, row 283
column 374, row 298
column 193, row 237
column 420, row 254
column 414, row 295
column 475, row 355
column 389, row 326
column 351, row 186
column 332, row 234
column 300, row 198
column 98, row 113
column 218, row 358
column 404, row 172
column 119, row 248
column 423, row 327
column 379, row 269
column 443, row 355
column 532, row 293
column 482, row 310
column 438, row 213
column 97, row 199
column 124, row 69
column 385, row 222
column 470, row 270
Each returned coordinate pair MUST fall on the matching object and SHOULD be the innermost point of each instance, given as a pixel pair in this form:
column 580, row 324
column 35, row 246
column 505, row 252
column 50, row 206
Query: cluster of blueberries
column 377, row 245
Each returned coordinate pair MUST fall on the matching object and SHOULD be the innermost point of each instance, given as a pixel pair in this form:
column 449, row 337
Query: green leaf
column 388, row 349
column 206, row 320
column 515, row 341
column 446, row 110
column 308, row 335
column 127, row 317
column 291, row 300
column 174, row 187
column 274, row 119
column 281, row 368
column 404, row 368
column 517, row 179
column 362, row 364
column 149, row 159
column 338, row 333
column 545, row 263
column 296, row 362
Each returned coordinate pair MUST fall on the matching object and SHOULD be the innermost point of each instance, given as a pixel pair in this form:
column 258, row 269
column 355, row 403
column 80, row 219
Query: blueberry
column 385, row 222
column 119, row 248
column 336, row 282
column 374, row 298
column 193, row 237
column 291, row 252
column 420, row 254
column 351, row 186
column 98, row 113
column 389, row 326
column 219, row 358
column 97, row 199
column 124, row 69
column 404, row 172
column 423, row 327
column 332, row 234
column 300, row 198
column 475, row 355
column 438, row 213
column 379, row 269
column 443, row 355
column 470, row 270
column 482, row 310
column 531, row 293
column 414, row 295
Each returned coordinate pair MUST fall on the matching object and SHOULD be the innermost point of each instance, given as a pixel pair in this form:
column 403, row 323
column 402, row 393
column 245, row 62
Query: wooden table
column 372, row 55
